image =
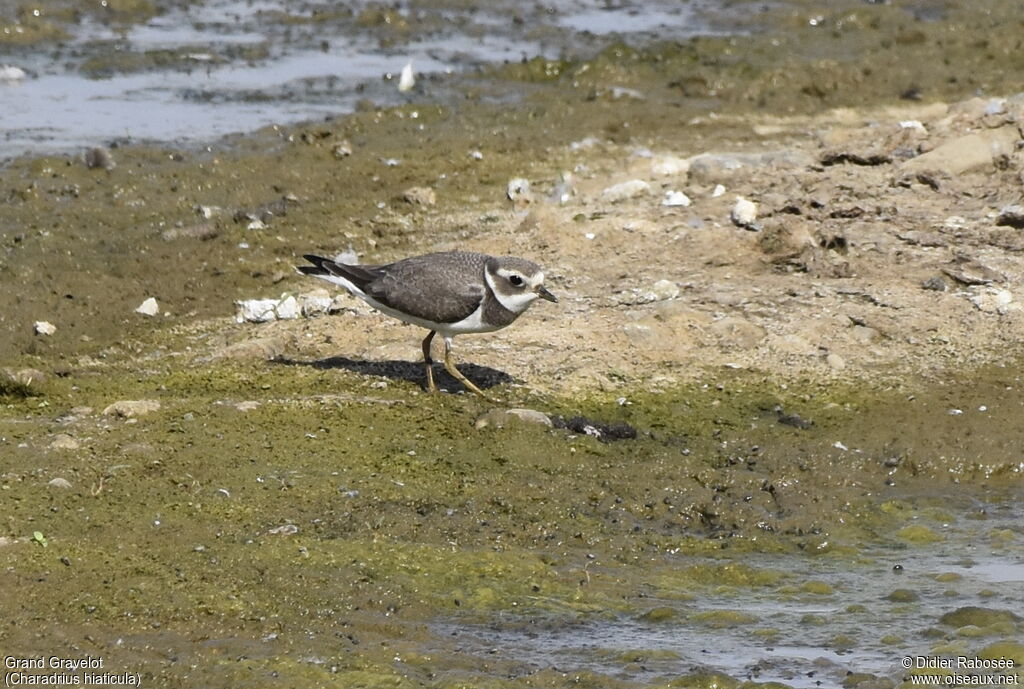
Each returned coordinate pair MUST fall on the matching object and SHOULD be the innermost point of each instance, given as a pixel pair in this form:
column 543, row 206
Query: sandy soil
column 886, row 245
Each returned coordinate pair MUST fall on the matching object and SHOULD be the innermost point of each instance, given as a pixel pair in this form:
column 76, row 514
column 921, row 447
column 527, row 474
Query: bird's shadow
column 414, row 372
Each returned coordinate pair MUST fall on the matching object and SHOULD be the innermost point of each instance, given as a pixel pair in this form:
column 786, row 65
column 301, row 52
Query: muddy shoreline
column 821, row 391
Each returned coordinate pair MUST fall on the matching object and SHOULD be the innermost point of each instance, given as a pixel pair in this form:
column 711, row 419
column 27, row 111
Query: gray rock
column 737, row 333
column 835, row 362
column 712, row 167
column 59, row 482
column 968, row 152
column 626, row 190
column 935, row 283
column 661, row 290
column 669, row 166
column 972, row 272
column 25, row 377
column 863, row 333
column 420, row 196
column 127, row 409
column 499, row 418
column 201, row 231
column 63, row 441
column 1012, row 216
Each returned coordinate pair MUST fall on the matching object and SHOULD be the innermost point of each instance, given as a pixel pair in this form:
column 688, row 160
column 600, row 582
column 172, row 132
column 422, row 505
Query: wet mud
column 787, row 501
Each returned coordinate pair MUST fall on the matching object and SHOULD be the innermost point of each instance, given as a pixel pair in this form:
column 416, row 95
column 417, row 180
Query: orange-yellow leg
column 450, row 366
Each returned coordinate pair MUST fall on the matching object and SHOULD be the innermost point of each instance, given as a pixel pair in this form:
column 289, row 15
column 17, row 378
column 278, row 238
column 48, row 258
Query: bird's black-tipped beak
column 543, row 293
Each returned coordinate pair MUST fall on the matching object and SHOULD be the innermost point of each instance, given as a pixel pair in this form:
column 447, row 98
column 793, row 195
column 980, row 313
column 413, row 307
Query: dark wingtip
column 318, row 267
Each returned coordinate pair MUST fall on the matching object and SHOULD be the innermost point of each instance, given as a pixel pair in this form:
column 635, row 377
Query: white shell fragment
column 661, row 291
column 625, row 190
column 148, row 307
column 675, row 198
column 287, row 307
column 995, row 300
column 255, row 310
column 565, row 188
column 518, row 189
column 744, row 213
column 406, row 81
column 44, row 328
column 670, row 165
column 315, row 303
column 10, row 74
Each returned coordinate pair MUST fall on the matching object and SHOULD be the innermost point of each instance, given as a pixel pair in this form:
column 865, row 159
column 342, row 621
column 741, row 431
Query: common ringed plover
column 452, row 293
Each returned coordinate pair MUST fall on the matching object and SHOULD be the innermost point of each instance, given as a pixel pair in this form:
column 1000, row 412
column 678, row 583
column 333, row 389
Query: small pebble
column 342, row 149
column 500, row 417
column 625, row 190
column 96, row 158
column 63, row 441
column 420, row 196
column 1012, row 216
column 564, row 189
column 675, row 198
column 744, row 213
column 148, row 307
column 127, row 409
column 662, row 290
column 518, row 190
column 44, row 328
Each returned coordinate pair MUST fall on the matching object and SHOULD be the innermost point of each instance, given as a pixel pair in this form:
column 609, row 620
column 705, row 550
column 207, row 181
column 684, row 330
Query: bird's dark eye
column 515, row 280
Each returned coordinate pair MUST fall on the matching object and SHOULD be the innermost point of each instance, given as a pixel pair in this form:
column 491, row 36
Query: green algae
column 723, row 619
column 1014, row 650
column 818, row 588
column 378, row 510
column 919, row 534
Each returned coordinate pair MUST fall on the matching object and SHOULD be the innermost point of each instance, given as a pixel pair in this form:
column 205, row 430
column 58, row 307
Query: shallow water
column 236, row 66
column 829, row 616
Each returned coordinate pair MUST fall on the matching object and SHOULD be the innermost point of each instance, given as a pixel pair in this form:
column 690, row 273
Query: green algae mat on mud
column 264, row 525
